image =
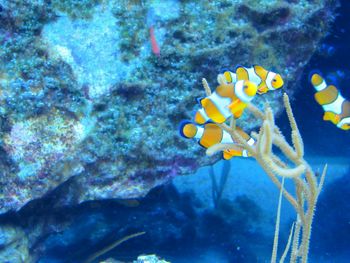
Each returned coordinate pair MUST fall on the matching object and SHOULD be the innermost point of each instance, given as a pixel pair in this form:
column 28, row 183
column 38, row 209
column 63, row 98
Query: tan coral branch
column 303, row 177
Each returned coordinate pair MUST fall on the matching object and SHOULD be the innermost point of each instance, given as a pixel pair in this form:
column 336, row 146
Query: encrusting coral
column 307, row 186
column 48, row 61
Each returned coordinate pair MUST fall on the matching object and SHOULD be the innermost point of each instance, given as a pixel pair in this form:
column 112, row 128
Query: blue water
column 312, row 127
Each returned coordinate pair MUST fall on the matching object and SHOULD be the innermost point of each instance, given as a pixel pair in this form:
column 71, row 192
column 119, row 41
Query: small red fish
column 154, row 44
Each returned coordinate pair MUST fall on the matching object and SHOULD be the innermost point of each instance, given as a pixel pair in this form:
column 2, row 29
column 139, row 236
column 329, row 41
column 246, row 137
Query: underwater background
column 92, row 94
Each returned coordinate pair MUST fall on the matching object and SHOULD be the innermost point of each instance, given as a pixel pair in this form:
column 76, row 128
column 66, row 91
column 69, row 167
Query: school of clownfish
column 236, row 90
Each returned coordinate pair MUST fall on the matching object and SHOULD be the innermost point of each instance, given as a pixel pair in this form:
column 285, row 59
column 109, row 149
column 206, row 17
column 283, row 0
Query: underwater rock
column 264, row 19
column 91, row 48
column 93, row 60
column 173, row 228
column 36, row 146
column 14, row 244
column 149, row 259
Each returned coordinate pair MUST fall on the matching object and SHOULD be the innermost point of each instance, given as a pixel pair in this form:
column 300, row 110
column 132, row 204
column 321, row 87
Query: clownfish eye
column 274, row 80
column 245, row 86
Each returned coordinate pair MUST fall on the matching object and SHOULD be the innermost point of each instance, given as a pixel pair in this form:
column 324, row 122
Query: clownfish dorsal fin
column 326, row 95
column 242, row 73
column 261, row 72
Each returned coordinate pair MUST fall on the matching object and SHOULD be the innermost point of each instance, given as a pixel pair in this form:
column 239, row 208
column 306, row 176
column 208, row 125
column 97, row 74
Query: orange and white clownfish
column 265, row 80
column 211, row 134
column 228, row 99
column 336, row 107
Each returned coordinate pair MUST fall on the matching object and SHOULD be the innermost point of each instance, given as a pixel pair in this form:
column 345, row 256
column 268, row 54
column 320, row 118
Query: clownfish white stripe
column 199, row 133
column 226, row 138
column 335, row 106
column 253, row 77
column 233, row 77
column 221, row 79
column 251, row 141
column 343, row 121
column 203, row 113
column 322, row 86
column 221, row 104
column 240, row 93
column 269, row 78
column 245, row 153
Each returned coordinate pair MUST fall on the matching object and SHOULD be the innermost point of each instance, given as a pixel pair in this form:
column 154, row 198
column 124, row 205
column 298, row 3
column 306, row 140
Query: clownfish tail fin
column 313, row 75
column 187, row 129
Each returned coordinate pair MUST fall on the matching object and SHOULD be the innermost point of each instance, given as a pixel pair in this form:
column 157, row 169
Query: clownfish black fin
column 223, row 70
column 199, row 100
column 201, row 145
column 238, row 66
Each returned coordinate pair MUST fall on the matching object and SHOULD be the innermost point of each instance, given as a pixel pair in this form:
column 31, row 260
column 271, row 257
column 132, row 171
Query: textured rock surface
column 14, row 244
column 179, row 221
column 175, row 230
column 126, row 100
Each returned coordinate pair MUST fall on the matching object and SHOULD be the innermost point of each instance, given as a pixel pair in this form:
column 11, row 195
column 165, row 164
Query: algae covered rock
column 37, row 146
column 149, row 259
column 14, row 245
column 85, row 97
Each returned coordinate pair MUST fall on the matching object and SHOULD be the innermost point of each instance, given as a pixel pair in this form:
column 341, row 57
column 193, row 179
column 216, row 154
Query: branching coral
column 307, row 186
column 218, row 185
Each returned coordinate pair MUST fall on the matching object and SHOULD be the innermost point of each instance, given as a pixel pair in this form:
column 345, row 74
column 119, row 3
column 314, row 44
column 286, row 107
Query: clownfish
column 336, row 107
column 265, row 80
column 227, row 100
column 211, row 134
